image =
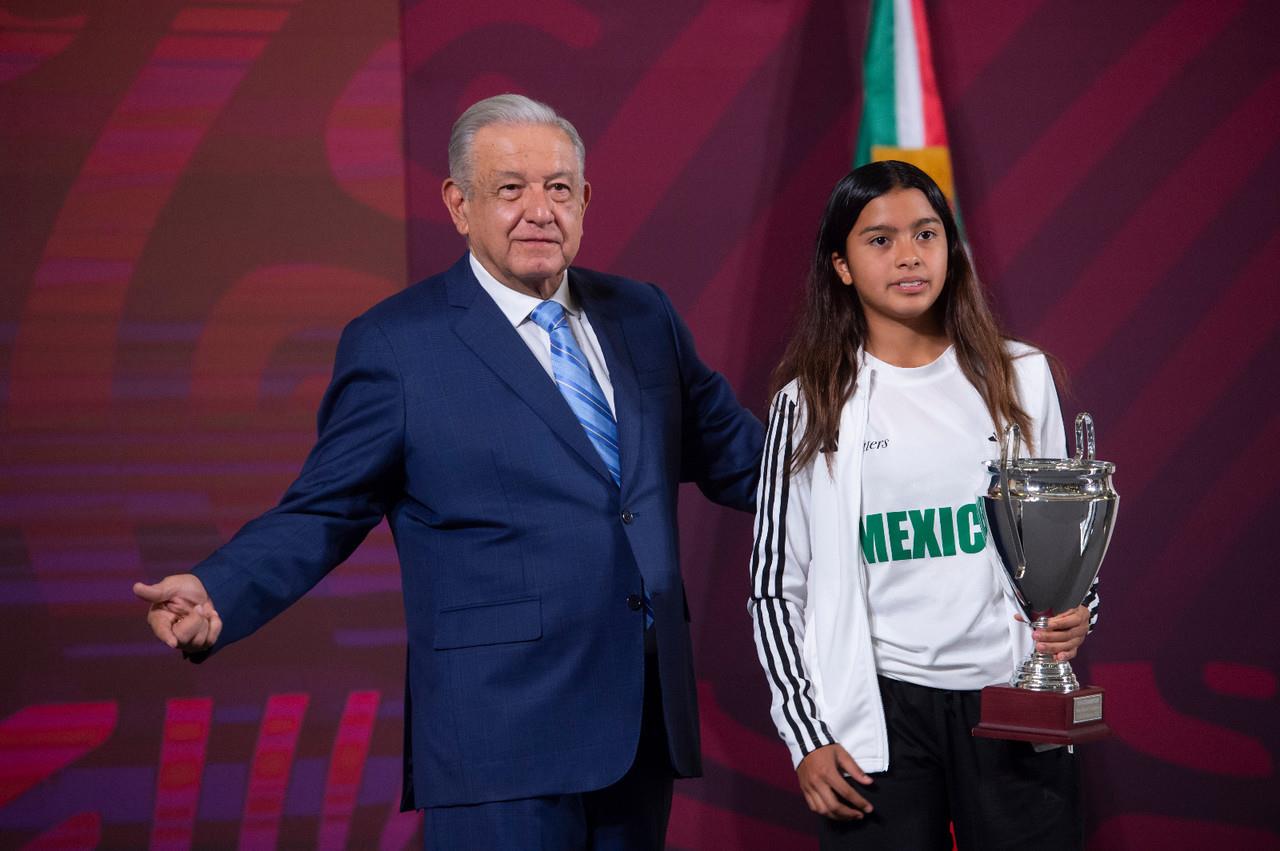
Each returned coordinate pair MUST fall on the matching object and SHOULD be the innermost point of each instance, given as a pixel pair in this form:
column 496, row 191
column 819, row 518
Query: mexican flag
column 901, row 110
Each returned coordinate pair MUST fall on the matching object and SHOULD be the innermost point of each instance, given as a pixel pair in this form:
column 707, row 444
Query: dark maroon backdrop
column 195, row 197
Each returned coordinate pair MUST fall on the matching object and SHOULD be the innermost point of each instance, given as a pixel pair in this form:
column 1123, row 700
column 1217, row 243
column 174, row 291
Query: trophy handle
column 1086, row 445
column 1012, row 438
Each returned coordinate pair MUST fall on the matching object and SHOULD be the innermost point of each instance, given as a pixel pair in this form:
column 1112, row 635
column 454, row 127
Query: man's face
column 523, row 219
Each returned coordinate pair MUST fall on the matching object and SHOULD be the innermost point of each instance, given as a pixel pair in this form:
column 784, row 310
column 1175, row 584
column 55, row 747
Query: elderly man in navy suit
column 524, row 426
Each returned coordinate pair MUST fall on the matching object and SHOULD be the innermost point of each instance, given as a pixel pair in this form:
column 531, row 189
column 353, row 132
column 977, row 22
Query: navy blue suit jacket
column 518, row 553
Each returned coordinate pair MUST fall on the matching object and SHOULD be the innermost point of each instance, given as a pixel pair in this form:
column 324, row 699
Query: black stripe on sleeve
column 805, row 689
column 1091, row 602
column 786, row 493
column 776, row 610
column 782, row 653
column 764, row 501
column 762, row 559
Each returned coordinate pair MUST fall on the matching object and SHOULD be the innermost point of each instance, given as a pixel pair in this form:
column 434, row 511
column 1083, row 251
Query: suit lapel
column 605, row 321
column 486, row 331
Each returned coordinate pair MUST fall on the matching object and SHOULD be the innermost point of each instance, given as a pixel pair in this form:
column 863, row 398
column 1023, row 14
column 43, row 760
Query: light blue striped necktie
column 578, row 385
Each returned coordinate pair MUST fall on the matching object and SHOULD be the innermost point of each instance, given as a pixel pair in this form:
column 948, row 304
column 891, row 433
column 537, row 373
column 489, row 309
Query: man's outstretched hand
column 182, row 615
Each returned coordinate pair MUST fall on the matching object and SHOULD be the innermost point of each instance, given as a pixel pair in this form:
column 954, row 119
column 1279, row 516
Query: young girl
column 880, row 610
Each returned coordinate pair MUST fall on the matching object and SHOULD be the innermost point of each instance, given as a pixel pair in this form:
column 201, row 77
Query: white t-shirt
column 935, row 606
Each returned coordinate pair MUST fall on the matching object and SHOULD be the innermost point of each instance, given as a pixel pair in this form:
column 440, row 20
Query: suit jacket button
column 627, row 517
column 634, row 602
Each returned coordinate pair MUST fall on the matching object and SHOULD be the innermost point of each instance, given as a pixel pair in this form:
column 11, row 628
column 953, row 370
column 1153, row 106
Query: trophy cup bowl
column 1051, row 520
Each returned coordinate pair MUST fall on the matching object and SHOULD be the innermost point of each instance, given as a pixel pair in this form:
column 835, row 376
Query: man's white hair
column 502, row 109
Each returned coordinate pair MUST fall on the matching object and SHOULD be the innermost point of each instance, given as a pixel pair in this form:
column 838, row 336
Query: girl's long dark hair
column 823, row 352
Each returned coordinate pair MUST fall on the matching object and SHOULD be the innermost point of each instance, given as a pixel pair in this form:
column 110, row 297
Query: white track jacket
column 808, row 599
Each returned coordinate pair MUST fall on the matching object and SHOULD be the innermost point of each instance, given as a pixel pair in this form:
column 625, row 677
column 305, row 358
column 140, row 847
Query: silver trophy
column 1051, row 520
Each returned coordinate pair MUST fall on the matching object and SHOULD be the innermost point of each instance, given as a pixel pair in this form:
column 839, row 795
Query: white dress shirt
column 517, row 306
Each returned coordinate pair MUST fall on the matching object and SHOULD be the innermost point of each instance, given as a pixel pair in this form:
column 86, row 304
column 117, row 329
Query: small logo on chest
column 869, row 445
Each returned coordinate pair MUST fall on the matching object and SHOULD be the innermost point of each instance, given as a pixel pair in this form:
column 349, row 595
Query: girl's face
column 895, row 258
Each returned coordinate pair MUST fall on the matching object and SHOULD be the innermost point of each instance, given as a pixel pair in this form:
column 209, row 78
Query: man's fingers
column 168, row 589
column 161, row 621
column 202, row 637
column 192, row 632
column 179, row 586
column 185, row 628
column 150, row 593
column 207, row 627
column 215, row 627
column 197, row 640
column 181, row 614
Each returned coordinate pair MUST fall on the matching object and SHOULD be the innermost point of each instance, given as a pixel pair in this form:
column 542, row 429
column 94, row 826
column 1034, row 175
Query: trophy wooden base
column 1042, row 716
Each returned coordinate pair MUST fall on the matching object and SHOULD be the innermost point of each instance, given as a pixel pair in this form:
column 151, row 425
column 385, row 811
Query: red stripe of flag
column 935, row 127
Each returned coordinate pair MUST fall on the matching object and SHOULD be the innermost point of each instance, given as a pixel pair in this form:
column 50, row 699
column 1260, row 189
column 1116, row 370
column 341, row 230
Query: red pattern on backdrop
column 346, row 767
column 38, row 741
column 270, row 769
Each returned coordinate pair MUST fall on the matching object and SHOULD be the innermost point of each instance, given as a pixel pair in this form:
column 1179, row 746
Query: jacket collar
column 483, row 327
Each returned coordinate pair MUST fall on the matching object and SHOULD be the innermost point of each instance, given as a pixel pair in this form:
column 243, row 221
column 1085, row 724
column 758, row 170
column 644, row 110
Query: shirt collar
column 517, row 306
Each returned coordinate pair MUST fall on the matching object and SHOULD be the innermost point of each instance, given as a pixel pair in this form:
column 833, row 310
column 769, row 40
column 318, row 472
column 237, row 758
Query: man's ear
column 586, row 195
column 456, row 203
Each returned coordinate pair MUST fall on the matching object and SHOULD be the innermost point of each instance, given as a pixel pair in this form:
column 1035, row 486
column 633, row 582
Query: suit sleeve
column 1051, row 442
column 779, row 584
column 720, row 440
column 345, row 487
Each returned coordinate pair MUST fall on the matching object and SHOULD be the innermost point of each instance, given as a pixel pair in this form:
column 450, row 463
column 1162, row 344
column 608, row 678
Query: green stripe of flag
column 879, row 119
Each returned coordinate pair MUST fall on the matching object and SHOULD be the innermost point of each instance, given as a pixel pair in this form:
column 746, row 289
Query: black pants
column 998, row 794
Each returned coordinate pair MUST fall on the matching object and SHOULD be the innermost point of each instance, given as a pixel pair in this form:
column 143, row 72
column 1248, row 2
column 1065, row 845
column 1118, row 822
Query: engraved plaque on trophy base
column 1042, row 716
